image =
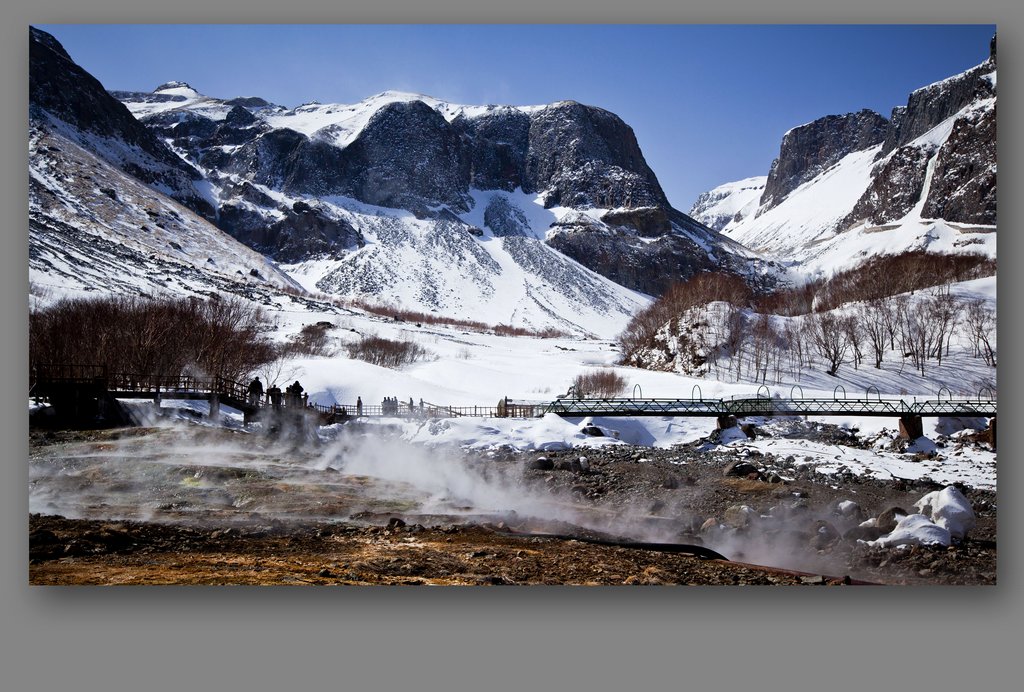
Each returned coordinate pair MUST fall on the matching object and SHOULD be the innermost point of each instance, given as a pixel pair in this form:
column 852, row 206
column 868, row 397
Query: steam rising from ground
column 187, row 473
column 449, row 481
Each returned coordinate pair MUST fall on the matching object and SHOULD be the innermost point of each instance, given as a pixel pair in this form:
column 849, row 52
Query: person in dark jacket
column 255, row 392
column 294, row 392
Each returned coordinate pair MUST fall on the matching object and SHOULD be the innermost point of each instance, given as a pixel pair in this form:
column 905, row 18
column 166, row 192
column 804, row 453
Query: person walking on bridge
column 255, row 392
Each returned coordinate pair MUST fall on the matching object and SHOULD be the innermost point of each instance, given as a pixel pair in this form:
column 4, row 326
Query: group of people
column 294, row 396
column 390, row 405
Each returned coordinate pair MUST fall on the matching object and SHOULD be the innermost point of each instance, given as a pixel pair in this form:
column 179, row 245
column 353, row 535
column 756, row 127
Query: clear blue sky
column 708, row 103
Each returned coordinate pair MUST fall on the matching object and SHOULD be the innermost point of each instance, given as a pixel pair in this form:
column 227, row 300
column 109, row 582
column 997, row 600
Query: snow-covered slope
column 442, row 266
column 92, row 228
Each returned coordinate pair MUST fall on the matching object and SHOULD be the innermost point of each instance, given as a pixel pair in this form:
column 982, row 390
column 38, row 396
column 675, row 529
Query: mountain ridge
column 845, row 188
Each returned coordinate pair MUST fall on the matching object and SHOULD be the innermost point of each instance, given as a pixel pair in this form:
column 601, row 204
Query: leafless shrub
column 599, row 384
column 387, row 353
column 547, row 333
column 880, row 277
column 311, row 340
column 218, row 336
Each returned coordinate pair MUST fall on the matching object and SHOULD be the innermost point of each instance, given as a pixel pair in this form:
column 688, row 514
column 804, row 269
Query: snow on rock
column 917, row 529
column 734, row 434
column 949, row 509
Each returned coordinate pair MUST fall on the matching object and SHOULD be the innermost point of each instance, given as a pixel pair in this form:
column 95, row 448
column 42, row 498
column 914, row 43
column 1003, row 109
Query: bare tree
column 830, row 339
column 793, row 338
column 943, row 309
column 855, row 337
column 874, row 321
column 915, row 335
column 735, row 337
column 980, row 321
column 763, row 346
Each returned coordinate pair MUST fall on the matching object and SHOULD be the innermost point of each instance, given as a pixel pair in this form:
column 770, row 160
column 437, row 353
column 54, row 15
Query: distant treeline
column 879, row 277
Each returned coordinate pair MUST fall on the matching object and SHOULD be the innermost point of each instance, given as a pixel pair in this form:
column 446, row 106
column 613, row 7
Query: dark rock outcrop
column 626, row 258
column 895, row 188
column 963, row 185
column 585, row 156
column 304, row 231
column 808, row 150
column 929, row 106
column 408, row 156
column 499, row 141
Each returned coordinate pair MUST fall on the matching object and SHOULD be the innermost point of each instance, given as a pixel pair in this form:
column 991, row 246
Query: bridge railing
column 46, row 373
column 636, row 406
column 765, row 406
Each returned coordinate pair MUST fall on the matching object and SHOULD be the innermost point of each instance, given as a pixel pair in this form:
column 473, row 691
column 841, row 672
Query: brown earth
column 638, row 516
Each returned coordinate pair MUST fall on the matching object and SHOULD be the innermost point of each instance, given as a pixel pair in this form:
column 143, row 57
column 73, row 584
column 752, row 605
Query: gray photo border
column 227, row 638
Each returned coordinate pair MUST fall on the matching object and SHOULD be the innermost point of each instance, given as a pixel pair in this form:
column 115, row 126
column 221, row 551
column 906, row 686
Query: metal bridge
column 765, row 406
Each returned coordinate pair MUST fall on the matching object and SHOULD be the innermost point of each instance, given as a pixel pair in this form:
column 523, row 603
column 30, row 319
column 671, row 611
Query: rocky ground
column 614, row 515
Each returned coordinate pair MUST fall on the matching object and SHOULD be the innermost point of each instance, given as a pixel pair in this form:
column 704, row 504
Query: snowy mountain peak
column 182, row 88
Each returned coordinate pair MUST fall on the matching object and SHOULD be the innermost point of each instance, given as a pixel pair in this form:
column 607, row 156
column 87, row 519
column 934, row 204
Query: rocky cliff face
column 964, row 179
column 928, row 107
column 407, row 157
column 933, row 161
column 949, row 127
column 582, row 156
column 808, row 150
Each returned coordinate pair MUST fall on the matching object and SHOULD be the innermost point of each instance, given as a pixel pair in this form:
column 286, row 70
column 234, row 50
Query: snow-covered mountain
column 535, row 216
column 847, row 188
column 296, row 183
column 111, row 208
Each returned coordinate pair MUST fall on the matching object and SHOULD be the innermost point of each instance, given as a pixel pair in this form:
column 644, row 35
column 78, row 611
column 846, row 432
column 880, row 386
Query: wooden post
column 911, row 427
